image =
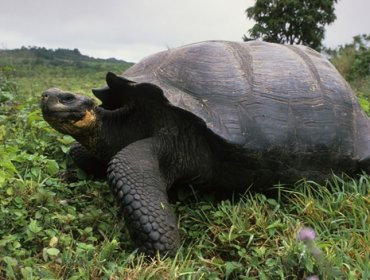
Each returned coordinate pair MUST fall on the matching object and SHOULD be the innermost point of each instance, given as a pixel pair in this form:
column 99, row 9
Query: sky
column 133, row 29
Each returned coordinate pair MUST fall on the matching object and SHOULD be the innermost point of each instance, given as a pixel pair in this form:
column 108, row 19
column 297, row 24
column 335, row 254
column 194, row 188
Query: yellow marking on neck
column 86, row 121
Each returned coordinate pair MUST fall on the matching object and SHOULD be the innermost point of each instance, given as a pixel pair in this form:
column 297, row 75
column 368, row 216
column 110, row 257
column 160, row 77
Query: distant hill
column 55, row 57
column 32, row 70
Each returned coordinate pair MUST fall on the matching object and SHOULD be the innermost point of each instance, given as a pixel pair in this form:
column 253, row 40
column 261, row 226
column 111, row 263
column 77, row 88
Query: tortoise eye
column 66, row 98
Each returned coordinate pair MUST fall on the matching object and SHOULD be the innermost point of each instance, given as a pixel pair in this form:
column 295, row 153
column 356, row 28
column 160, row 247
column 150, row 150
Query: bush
column 8, row 87
column 353, row 60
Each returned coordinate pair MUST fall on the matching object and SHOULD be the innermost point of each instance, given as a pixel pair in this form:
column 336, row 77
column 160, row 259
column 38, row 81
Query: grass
column 53, row 230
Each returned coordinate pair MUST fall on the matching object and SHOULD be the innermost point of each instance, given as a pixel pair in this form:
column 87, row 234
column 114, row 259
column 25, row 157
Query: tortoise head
column 68, row 113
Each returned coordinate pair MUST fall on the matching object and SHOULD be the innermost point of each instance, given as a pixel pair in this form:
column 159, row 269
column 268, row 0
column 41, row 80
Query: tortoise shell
column 261, row 95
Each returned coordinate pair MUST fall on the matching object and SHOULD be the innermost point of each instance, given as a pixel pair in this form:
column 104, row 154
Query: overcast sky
column 132, row 29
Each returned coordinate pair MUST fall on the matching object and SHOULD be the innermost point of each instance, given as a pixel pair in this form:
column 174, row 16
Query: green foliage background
column 50, row 229
column 353, row 62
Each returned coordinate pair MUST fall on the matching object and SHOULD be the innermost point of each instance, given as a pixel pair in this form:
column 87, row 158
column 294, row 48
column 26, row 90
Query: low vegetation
column 51, row 229
column 353, row 62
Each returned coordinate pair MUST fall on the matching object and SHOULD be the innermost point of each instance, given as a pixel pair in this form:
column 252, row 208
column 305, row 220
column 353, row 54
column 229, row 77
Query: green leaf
column 33, row 227
column 309, row 264
column 53, row 251
column 35, row 171
column 230, row 267
column 8, row 165
column 27, row 272
column 260, row 251
column 10, row 261
column 364, row 104
column 52, row 167
column 2, row 132
column 64, row 148
column 85, row 246
column 2, row 178
column 66, row 140
column 9, row 191
column 34, row 116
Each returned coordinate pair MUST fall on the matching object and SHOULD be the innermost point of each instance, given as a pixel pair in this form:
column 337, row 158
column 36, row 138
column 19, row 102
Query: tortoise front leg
column 136, row 181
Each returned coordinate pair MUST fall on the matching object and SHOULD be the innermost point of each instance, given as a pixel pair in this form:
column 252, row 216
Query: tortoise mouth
column 50, row 111
column 71, row 122
column 63, row 115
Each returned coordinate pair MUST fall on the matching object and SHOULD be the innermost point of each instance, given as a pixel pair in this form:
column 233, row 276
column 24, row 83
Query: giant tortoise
column 216, row 115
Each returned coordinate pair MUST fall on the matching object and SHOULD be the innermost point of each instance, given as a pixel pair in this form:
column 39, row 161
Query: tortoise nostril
column 45, row 96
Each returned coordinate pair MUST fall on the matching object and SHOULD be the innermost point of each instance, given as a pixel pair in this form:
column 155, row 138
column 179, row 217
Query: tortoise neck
column 116, row 129
column 89, row 138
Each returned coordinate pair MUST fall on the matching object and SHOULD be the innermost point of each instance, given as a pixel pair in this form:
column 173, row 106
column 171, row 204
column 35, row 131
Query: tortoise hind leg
column 87, row 161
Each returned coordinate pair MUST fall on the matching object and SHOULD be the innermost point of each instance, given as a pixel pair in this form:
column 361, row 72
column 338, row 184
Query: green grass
column 53, row 230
